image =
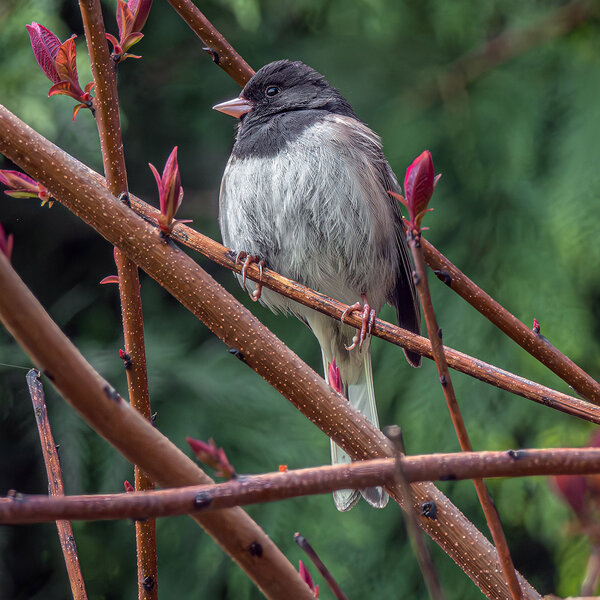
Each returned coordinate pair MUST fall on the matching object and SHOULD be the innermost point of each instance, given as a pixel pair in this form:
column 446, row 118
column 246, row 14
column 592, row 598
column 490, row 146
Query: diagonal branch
column 70, row 183
column 538, row 346
column 55, row 484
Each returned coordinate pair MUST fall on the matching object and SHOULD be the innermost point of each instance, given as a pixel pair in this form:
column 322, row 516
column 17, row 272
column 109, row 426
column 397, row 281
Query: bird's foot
column 368, row 318
column 248, row 259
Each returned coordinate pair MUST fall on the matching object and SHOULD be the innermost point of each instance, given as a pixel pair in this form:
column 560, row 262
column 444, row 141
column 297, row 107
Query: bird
column 305, row 193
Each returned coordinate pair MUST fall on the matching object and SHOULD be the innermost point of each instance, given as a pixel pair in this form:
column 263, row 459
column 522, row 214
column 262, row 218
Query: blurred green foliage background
column 517, row 209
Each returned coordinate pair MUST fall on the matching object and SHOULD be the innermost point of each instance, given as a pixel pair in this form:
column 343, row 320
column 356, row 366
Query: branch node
column 213, row 54
column 255, row 549
column 202, row 500
column 444, row 277
column 429, row 510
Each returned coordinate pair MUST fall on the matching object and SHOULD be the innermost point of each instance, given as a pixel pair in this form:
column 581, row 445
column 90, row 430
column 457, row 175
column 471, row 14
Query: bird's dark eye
column 272, row 90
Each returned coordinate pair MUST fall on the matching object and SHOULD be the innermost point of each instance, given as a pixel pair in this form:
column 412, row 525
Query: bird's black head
column 284, row 86
column 280, row 101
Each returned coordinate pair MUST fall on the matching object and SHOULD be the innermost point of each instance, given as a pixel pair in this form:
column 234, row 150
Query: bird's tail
column 362, row 397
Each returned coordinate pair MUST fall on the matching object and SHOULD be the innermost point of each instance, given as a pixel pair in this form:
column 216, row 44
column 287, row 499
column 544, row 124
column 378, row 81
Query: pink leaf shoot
column 22, row 186
column 170, row 192
column 6, row 243
column 307, row 578
column 419, row 184
column 335, row 378
column 214, row 457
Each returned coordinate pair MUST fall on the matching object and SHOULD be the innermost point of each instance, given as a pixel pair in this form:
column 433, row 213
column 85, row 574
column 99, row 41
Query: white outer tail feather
column 362, row 397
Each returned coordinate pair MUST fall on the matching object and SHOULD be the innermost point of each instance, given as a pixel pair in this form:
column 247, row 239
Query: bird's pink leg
column 248, row 259
column 368, row 318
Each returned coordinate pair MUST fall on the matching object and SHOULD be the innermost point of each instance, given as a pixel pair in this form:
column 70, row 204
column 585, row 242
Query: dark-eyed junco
column 306, row 190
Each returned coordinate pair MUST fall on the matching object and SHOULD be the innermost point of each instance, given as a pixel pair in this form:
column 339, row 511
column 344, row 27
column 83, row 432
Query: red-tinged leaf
column 130, row 40
column 335, row 378
column 283, row 468
column 115, row 44
column 305, row 575
column 63, row 88
column 573, row 489
column 128, row 55
column 316, row 591
column 110, row 279
column 66, row 65
column 419, row 183
column 6, row 243
column 17, row 180
column 202, row 450
column 77, row 108
column 141, row 10
column 128, row 487
column 45, row 47
column 536, row 326
column 124, row 18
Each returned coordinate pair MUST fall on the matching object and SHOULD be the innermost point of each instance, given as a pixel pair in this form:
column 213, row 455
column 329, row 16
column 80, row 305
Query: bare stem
column 325, row 572
column 111, row 143
column 55, row 484
column 217, row 46
column 435, row 335
column 428, row 571
column 538, row 346
column 272, row 487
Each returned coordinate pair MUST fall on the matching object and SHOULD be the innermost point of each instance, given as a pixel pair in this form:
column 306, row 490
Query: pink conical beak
column 237, row 107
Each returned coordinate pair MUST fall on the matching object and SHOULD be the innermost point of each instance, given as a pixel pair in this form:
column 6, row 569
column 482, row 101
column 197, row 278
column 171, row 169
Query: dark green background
column 517, row 209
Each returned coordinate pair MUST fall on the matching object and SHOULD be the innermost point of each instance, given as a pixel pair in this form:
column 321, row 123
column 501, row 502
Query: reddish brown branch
column 55, row 484
column 272, row 487
column 535, row 344
column 217, row 46
column 111, row 143
column 428, row 571
column 113, row 418
column 325, row 572
column 435, row 335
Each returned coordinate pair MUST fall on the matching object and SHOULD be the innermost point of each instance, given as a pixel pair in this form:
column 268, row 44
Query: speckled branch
column 55, row 484
column 71, row 184
column 272, row 487
column 538, row 346
column 111, row 144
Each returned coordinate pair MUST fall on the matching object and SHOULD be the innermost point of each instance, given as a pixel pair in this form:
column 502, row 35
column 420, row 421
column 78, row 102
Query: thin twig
column 111, row 143
column 428, row 571
column 273, row 487
column 55, row 484
column 217, row 46
column 435, row 335
column 325, row 572
column 538, row 346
